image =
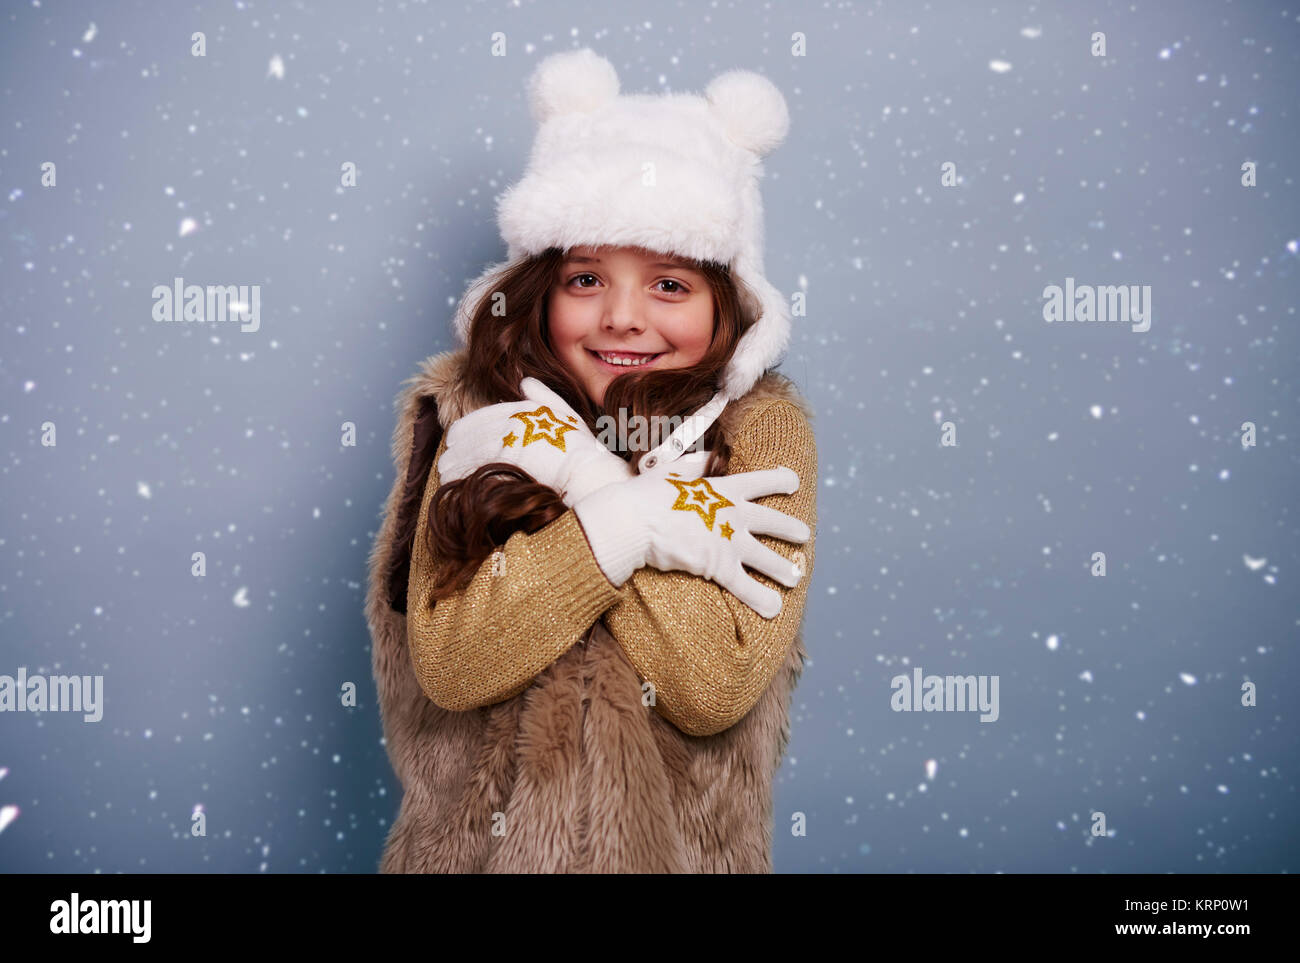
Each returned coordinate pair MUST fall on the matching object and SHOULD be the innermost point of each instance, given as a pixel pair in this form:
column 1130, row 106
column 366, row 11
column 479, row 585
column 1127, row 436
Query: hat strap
column 686, row 434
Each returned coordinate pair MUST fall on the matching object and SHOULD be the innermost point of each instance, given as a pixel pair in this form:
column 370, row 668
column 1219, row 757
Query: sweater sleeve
column 708, row 655
column 523, row 610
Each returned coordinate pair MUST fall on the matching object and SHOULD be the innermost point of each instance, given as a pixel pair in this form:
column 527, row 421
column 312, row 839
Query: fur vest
column 624, row 789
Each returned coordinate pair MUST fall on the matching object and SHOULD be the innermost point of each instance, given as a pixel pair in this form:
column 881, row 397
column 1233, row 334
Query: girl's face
column 613, row 306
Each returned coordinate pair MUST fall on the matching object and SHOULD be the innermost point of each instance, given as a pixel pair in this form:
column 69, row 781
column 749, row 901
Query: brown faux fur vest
column 623, row 789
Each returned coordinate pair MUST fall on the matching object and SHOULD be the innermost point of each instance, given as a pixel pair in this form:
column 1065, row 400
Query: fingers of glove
column 720, row 563
column 463, row 460
column 766, row 520
column 468, row 438
column 763, row 600
column 534, row 390
column 476, row 424
column 450, row 467
column 772, row 564
column 454, row 433
column 755, row 484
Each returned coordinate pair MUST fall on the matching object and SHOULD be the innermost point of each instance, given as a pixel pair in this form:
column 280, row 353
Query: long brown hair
column 469, row 518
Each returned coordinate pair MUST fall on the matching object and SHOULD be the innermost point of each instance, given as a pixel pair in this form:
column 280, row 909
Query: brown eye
column 576, row 276
column 679, row 288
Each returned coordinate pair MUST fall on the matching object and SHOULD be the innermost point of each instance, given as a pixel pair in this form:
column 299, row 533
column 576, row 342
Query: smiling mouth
column 623, row 360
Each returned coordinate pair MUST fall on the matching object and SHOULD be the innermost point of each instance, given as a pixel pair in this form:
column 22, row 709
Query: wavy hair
column 471, row 517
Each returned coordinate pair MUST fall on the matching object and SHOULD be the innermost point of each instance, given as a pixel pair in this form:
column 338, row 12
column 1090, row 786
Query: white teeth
column 626, row 362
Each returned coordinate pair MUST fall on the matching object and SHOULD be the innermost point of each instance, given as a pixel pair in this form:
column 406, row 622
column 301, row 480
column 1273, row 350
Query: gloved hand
column 543, row 436
column 672, row 519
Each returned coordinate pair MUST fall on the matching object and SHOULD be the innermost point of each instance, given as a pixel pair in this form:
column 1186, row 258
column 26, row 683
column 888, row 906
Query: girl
column 576, row 672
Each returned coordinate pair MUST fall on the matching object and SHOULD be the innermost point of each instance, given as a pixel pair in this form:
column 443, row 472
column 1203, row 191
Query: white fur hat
column 673, row 173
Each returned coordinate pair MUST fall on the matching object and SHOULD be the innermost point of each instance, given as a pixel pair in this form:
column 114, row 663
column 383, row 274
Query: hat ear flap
column 574, row 81
column 750, row 108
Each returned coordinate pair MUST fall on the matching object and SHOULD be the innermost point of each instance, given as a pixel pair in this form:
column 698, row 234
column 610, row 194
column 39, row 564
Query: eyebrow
column 660, row 264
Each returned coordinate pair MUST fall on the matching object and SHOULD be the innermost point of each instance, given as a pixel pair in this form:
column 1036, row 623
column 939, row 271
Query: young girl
column 576, row 671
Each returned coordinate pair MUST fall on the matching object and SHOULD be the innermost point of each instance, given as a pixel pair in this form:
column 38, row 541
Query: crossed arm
column 708, row 656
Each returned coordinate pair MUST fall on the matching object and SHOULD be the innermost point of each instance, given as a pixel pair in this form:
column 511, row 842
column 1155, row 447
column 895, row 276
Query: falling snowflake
column 7, row 813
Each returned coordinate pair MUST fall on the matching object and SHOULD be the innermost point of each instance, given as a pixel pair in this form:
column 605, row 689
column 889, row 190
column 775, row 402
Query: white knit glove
column 543, row 436
column 672, row 519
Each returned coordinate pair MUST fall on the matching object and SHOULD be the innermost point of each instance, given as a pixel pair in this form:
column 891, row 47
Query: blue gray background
column 924, row 306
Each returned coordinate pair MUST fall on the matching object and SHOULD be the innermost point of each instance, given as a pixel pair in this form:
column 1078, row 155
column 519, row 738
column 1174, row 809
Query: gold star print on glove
column 700, row 491
column 540, row 425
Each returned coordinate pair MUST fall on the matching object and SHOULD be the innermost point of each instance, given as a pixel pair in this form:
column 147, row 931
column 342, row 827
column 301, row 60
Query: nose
column 622, row 313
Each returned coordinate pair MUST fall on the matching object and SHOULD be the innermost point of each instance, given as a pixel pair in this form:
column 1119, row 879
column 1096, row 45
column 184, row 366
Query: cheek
column 692, row 340
column 565, row 325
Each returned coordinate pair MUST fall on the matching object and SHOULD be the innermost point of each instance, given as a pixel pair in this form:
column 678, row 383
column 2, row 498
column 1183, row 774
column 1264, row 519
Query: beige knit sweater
column 708, row 656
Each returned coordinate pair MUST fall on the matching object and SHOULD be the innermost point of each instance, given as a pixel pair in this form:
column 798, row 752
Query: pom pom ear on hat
column 574, row 81
column 750, row 108
column 582, row 185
